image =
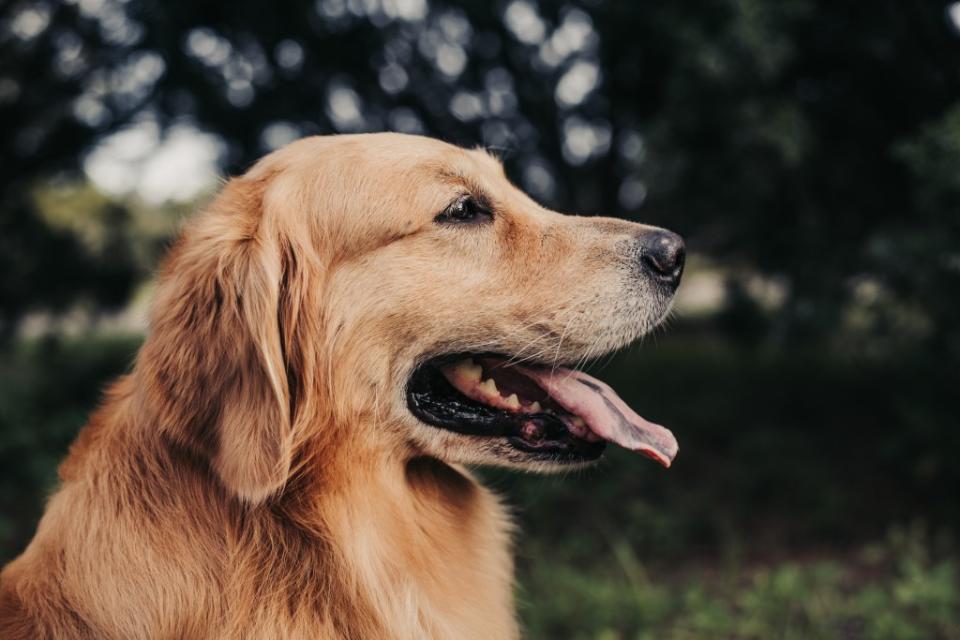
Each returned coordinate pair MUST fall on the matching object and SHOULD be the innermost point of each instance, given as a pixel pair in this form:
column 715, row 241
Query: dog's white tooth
column 489, row 386
column 470, row 370
column 513, row 401
column 535, row 408
column 578, row 421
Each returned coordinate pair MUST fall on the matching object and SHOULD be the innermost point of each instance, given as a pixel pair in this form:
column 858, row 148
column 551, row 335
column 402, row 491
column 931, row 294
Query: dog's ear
column 214, row 364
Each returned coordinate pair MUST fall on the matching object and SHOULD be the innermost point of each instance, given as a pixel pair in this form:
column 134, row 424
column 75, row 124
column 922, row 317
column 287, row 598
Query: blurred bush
column 893, row 591
column 811, row 141
column 47, row 389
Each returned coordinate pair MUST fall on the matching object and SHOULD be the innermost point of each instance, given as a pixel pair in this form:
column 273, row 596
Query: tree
column 802, row 139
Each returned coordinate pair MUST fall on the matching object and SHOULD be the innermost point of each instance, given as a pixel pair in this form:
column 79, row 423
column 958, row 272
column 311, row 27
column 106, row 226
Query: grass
column 792, row 467
column 893, row 590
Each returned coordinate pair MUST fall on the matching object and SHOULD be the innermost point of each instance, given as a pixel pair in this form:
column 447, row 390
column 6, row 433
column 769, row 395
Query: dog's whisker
column 556, row 355
column 516, row 359
column 559, row 312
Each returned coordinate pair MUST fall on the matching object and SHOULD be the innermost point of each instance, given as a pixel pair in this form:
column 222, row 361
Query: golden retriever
column 342, row 329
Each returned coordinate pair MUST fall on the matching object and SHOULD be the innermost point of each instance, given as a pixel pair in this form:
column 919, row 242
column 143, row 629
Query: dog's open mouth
column 561, row 413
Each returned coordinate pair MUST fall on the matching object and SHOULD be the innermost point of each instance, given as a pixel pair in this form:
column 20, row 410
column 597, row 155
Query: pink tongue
column 604, row 412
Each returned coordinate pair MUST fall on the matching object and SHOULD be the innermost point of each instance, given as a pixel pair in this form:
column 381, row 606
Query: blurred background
column 809, row 151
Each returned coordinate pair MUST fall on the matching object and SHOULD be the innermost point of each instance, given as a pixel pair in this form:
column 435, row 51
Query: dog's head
column 392, row 293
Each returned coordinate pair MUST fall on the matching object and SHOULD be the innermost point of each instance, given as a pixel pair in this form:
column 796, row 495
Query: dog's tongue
column 605, row 413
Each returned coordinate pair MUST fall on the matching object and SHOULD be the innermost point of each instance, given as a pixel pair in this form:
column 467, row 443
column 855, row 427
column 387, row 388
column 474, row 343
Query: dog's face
column 436, row 256
column 414, row 273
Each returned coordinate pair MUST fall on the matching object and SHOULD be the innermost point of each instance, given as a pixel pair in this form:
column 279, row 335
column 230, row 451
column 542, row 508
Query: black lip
column 432, row 399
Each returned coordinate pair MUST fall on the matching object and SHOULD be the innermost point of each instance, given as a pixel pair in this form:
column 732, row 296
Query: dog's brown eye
column 465, row 209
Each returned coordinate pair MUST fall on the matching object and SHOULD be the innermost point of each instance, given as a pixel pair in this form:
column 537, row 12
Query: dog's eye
column 465, row 210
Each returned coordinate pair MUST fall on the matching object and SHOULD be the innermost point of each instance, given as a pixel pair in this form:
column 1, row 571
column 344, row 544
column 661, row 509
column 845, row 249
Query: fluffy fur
column 257, row 474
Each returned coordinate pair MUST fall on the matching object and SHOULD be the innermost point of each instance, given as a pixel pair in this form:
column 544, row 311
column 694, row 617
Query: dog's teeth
column 581, row 430
column 490, row 387
column 469, row 370
column 512, row 401
column 535, row 408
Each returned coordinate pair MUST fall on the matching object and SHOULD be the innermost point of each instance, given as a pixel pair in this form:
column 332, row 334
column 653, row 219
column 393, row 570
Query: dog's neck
column 356, row 542
column 422, row 543
column 363, row 547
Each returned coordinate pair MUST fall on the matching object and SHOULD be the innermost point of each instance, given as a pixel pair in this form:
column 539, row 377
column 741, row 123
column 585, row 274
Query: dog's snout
column 662, row 255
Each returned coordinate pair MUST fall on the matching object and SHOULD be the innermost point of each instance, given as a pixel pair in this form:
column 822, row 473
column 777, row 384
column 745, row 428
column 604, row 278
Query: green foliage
column 900, row 594
column 47, row 390
column 811, row 140
column 124, row 231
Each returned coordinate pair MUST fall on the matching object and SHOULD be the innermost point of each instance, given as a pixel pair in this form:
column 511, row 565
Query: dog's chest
column 434, row 560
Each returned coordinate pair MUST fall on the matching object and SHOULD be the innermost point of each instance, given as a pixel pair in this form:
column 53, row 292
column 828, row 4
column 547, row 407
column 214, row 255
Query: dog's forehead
column 376, row 157
column 366, row 189
column 430, row 161
column 424, row 172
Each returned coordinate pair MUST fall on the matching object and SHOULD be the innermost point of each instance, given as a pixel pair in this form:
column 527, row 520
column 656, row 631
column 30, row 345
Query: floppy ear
column 214, row 362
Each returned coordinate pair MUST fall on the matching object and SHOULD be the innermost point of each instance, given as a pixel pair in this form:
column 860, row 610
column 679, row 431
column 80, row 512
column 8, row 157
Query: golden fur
column 257, row 473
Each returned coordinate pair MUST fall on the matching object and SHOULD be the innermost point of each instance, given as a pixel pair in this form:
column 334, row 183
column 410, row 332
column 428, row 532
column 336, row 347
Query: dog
column 334, row 339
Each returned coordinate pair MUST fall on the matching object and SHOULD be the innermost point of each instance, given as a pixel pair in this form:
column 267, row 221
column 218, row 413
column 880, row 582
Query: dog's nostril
column 663, row 254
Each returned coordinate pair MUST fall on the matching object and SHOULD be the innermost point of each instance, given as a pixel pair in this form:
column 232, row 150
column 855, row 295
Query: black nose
column 662, row 254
